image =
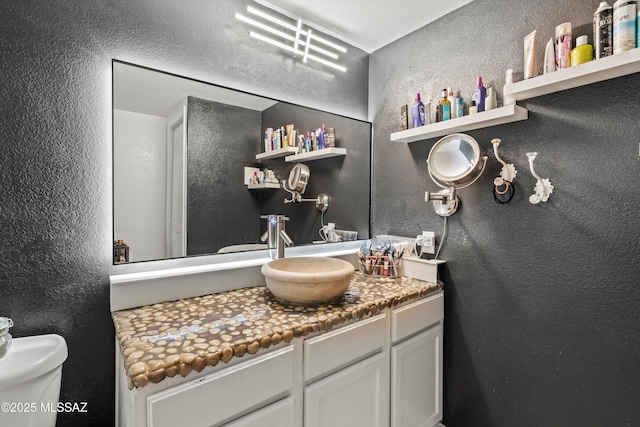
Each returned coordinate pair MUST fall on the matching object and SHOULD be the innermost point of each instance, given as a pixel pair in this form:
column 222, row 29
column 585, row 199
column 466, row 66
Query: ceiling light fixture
column 301, row 38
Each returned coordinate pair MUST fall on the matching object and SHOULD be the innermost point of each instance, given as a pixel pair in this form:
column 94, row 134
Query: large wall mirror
column 180, row 149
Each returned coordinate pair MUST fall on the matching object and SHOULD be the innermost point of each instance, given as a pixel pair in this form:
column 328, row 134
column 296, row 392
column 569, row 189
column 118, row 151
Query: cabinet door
column 356, row 396
column 416, row 380
column 226, row 394
column 279, row 414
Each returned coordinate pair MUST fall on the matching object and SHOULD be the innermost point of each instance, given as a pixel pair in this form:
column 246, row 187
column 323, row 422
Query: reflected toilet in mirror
column 454, row 163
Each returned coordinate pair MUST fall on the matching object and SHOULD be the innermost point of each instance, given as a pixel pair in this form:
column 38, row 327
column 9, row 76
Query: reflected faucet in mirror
column 276, row 236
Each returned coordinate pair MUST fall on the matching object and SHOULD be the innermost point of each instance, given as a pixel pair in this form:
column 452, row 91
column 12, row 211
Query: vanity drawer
column 412, row 318
column 334, row 350
column 215, row 398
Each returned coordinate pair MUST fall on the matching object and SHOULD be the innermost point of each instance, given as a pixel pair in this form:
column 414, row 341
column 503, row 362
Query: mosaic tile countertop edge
column 178, row 337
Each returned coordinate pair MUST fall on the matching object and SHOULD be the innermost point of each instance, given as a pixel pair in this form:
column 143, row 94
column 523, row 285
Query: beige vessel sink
column 308, row 280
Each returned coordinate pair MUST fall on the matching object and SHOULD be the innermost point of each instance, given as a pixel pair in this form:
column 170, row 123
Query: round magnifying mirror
column 455, row 161
column 298, row 178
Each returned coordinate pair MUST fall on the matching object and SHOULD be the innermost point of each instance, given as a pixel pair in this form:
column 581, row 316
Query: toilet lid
column 30, row 357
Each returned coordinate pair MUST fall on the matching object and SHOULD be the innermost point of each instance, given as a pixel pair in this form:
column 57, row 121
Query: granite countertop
column 177, row 337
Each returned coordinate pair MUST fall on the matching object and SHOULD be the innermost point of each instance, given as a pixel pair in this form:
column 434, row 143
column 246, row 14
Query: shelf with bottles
column 493, row 117
column 280, row 152
column 322, row 153
column 256, row 179
column 618, row 65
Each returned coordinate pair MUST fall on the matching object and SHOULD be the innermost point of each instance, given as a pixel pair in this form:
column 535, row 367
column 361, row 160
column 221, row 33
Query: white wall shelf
column 266, row 185
column 595, row 71
column 280, row 152
column 497, row 116
column 317, row 154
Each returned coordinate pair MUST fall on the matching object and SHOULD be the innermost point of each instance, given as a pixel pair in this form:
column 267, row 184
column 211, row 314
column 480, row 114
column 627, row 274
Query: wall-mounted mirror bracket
column 445, row 202
column 297, row 184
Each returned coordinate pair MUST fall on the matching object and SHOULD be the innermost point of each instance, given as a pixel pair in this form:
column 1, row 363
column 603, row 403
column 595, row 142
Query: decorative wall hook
column 543, row 188
column 503, row 190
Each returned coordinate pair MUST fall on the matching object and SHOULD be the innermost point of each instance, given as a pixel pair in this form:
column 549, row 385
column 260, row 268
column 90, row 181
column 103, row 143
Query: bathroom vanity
column 243, row 358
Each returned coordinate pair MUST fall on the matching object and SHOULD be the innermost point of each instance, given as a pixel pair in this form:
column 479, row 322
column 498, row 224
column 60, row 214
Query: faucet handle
column 285, row 238
column 264, row 236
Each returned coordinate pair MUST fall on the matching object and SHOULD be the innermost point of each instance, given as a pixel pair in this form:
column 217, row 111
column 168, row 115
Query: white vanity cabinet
column 381, row 371
column 347, row 376
column 221, row 396
column 356, row 396
column 416, row 364
column 279, row 414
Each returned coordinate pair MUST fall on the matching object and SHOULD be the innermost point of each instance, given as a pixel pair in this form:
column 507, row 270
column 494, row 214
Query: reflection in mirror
column 180, row 147
column 454, row 163
column 454, row 158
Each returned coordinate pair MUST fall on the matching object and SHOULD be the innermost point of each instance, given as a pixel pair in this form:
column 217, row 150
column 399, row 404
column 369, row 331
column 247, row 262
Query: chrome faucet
column 275, row 235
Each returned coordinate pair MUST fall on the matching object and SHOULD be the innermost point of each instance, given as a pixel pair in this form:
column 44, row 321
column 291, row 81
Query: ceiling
column 365, row 24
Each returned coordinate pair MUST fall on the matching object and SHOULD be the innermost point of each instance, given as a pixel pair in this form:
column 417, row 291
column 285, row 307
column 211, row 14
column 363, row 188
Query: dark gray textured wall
column 346, row 179
column 56, row 207
column 220, row 209
column 543, row 304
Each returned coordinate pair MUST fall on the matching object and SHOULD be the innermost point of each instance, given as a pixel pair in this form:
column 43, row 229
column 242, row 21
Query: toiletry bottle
column 267, row 141
column 508, row 77
column 319, row 139
column 445, row 106
column 563, row 46
column 479, row 95
column 417, row 112
column 459, row 106
column 549, row 58
column 624, row 25
column 530, row 56
column 404, row 119
column 433, row 113
column 307, row 142
column 276, row 140
column 331, row 137
column 428, row 116
column 452, row 101
column 323, row 137
column 491, row 101
column 603, row 30
column 473, row 108
column 583, row 52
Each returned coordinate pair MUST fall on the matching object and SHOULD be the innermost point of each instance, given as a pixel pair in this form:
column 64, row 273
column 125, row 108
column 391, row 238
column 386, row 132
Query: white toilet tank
column 30, row 375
